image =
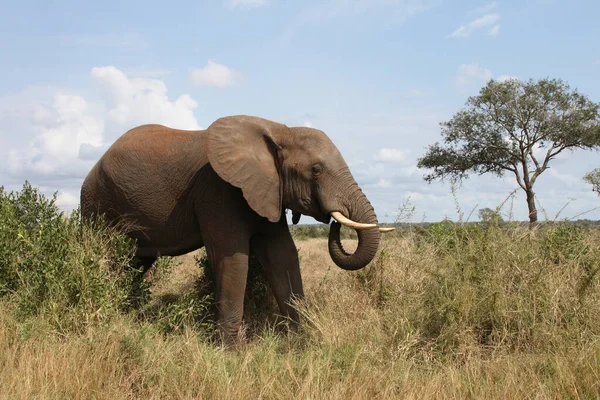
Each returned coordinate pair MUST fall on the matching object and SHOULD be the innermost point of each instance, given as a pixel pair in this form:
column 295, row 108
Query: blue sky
column 376, row 75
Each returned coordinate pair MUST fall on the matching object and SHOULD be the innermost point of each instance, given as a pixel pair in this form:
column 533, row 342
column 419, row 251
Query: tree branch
column 519, row 180
column 560, row 149
column 496, row 118
column 502, row 166
column 535, row 161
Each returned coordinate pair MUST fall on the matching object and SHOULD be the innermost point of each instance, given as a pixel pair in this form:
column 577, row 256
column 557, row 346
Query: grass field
column 452, row 311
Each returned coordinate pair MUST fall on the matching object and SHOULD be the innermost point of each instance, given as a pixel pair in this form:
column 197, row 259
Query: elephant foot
column 230, row 338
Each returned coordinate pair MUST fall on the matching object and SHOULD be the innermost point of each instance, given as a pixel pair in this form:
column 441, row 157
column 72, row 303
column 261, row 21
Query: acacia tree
column 514, row 126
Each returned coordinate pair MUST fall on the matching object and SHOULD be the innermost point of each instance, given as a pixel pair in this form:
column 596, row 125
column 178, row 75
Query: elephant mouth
column 324, row 218
column 321, row 217
column 311, row 207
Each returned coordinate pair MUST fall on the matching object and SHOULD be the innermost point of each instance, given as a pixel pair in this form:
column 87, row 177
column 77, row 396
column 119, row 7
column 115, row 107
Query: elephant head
column 297, row 168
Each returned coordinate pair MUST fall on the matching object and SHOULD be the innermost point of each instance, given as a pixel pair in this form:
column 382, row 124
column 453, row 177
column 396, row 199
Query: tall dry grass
column 452, row 311
column 419, row 323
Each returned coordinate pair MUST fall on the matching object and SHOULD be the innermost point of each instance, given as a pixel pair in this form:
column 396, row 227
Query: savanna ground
column 489, row 310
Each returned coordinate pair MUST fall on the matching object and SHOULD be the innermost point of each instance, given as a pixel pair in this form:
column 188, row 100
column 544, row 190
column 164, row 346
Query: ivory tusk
column 339, row 217
column 386, row 230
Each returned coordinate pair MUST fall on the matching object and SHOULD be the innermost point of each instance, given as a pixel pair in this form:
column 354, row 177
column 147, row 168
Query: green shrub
column 303, row 232
column 192, row 308
column 564, row 242
column 55, row 266
column 312, row 231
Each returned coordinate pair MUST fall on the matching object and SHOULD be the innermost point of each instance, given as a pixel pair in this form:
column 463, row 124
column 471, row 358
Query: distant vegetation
column 493, row 309
column 311, row 231
column 593, row 178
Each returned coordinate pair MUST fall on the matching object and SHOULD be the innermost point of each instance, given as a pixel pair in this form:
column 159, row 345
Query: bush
column 511, row 287
column 56, row 266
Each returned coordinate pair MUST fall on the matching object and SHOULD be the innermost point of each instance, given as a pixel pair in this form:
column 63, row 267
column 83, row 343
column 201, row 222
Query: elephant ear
column 242, row 151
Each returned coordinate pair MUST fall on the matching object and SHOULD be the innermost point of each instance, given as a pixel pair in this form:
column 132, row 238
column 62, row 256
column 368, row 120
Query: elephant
column 227, row 188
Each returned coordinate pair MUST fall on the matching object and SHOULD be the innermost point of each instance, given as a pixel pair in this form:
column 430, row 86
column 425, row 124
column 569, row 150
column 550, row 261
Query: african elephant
column 227, row 188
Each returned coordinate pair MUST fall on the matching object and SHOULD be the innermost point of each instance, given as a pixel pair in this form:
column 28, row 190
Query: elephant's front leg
column 278, row 255
column 231, row 272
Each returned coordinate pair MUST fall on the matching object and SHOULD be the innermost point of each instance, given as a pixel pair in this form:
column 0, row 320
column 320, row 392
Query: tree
column 514, row 126
column 487, row 215
column 593, row 178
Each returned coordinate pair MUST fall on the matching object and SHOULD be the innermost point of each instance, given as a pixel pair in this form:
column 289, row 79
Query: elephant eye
column 316, row 170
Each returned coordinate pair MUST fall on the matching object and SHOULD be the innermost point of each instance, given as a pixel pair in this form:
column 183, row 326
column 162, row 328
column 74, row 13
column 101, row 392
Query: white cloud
column 246, row 3
column 487, row 21
column 308, row 124
column 137, row 101
column 469, row 74
column 66, row 201
column 390, row 155
column 61, row 130
column 52, row 137
column 215, row 75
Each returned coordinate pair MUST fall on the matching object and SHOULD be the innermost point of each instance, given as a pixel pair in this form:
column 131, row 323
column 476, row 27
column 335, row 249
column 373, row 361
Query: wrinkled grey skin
column 227, row 188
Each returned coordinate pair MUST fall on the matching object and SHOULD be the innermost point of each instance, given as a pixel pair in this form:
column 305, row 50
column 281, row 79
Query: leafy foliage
column 517, row 127
column 190, row 308
column 488, row 215
column 56, row 266
column 593, row 178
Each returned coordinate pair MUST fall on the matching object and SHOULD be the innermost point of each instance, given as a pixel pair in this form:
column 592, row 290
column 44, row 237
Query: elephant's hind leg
column 278, row 255
column 143, row 264
column 139, row 267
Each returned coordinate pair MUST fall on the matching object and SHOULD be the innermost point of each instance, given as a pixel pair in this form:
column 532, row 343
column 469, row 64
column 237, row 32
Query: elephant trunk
column 368, row 239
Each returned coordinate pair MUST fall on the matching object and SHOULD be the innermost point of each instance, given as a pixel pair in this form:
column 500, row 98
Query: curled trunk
column 368, row 239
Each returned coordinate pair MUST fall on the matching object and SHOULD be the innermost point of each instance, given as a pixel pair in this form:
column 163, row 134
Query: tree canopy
column 593, row 178
column 489, row 215
column 515, row 126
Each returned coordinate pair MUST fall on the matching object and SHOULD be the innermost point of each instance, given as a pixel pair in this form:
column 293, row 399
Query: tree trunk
column 533, row 217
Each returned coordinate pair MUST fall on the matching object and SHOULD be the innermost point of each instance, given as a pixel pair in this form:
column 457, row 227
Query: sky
column 377, row 76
